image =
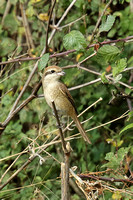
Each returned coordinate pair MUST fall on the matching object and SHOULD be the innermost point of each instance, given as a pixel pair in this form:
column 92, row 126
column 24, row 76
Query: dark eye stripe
column 49, row 72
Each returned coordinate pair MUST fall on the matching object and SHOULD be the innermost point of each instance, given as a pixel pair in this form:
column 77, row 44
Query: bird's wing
column 67, row 94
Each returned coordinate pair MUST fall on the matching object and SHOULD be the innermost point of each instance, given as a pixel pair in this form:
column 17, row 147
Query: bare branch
column 59, row 22
column 65, row 53
column 27, row 28
column 50, row 15
column 87, row 176
column 8, row 6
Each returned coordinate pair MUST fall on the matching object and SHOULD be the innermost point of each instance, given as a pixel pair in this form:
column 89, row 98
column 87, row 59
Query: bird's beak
column 62, row 73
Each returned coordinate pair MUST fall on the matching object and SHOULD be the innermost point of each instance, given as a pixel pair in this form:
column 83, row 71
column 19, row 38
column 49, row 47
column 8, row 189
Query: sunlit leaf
column 127, row 127
column 105, row 27
column 119, row 67
column 43, row 16
column 107, row 53
column 104, row 78
column 74, row 40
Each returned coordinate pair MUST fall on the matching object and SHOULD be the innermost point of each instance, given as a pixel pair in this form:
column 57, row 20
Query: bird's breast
column 52, row 92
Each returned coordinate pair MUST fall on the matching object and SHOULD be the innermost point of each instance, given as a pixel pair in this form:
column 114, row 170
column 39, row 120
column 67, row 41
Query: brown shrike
column 56, row 91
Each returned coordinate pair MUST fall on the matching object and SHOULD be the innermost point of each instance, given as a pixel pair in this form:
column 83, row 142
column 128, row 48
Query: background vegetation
column 105, row 67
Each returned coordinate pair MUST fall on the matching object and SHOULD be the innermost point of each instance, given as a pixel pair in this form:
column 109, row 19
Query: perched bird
column 55, row 90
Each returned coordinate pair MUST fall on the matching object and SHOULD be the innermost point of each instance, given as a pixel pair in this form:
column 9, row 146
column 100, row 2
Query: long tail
column 81, row 129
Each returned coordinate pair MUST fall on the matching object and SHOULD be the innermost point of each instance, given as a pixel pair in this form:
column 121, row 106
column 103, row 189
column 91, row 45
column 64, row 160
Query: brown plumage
column 56, row 91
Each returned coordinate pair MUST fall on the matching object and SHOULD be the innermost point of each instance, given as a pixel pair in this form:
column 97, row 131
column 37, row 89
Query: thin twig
column 26, row 84
column 8, row 6
column 51, row 143
column 31, row 159
column 85, row 84
column 59, row 22
column 50, row 15
column 38, row 152
column 127, row 39
column 69, row 24
column 32, row 96
column 34, row 69
column 122, row 116
column 99, row 20
column 36, row 65
column 59, row 127
column 87, row 58
column 112, row 179
column 11, row 156
column 97, row 80
column 6, row 93
column 19, row 170
column 27, row 28
column 100, row 99
column 3, row 175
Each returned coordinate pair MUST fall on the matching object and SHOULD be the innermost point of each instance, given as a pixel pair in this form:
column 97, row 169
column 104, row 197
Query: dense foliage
column 23, row 34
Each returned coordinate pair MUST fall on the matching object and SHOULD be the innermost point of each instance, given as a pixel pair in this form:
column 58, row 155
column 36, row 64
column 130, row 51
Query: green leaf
column 7, row 45
column 105, row 27
column 107, row 53
column 79, row 3
column 120, row 66
column 43, row 61
column 117, row 78
column 74, row 40
column 23, row 116
column 109, row 156
column 122, row 152
column 121, row 1
column 11, row 24
column 130, row 116
column 126, row 128
column 104, row 78
column 115, row 159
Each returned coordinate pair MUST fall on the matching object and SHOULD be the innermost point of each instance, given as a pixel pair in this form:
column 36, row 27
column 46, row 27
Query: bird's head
column 53, row 73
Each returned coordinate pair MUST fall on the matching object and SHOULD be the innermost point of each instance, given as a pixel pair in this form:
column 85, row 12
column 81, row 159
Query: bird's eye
column 52, row 71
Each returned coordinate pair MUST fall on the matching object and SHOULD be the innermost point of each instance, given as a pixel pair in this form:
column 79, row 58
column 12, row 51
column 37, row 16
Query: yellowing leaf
column 30, row 11
column 35, row 1
column 50, row 50
column 78, row 56
column 10, row 93
column 116, row 196
column 114, row 143
column 1, row 86
column 109, row 140
column 89, row 38
column 43, row 16
column 117, row 144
